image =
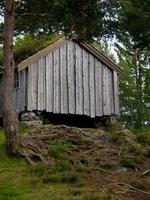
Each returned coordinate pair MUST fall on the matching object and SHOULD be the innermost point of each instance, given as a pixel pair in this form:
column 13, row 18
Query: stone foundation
column 29, row 119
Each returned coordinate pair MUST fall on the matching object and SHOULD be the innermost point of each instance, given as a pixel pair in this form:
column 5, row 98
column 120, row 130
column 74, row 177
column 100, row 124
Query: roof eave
column 93, row 50
column 89, row 47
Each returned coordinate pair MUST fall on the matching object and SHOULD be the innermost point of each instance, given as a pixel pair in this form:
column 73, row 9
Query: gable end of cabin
column 66, row 78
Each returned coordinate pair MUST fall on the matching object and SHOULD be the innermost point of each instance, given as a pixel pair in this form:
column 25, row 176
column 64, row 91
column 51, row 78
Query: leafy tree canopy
column 82, row 18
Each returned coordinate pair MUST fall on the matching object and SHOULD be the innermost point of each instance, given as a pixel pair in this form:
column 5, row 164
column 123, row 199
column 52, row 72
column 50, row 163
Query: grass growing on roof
column 28, row 45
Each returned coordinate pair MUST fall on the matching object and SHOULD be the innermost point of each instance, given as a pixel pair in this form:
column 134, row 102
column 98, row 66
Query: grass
column 59, row 147
column 61, row 180
column 18, row 181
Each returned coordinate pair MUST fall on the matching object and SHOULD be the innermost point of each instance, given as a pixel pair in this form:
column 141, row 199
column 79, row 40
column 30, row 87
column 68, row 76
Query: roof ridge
column 87, row 46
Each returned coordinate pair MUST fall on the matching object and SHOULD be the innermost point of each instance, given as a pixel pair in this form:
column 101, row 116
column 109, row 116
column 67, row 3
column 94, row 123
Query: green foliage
column 39, row 170
column 63, row 179
column 9, row 192
column 132, row 163
column 68, row 177
column 134, row 19
column 28, row 45
column 81, row 18
column 61, row 166
column 82, row 168
column 23, row 130
column 58, row 148
column 134, row 93
column 128, row 163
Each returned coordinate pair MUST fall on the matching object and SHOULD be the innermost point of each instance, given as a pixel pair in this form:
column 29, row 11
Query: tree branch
column 34, row 14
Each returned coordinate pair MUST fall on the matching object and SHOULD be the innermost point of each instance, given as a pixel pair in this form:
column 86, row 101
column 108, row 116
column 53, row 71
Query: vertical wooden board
column 107, row 91
column 116, row 93
column 92, row 85
column 86, row 84
column 107, row 97
column 22, row 90
column 29, row 80
column 98, row 88
column 105, row 111
column 34, row 85
column 71, row 76
column 17, row 100
column 41, row 84
column 56, row 81
column 49, row 82
column 111, row 92
column 64, row 79
column 79, row 81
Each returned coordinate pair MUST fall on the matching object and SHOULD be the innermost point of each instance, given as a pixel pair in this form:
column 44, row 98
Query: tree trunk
column 8, row 112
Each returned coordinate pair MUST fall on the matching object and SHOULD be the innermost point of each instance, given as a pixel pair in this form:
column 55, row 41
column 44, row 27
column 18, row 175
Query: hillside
column 83, row 164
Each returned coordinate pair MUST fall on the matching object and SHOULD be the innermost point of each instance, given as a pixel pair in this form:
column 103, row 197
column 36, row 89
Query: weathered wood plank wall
column 69, row 80
column 19, row 95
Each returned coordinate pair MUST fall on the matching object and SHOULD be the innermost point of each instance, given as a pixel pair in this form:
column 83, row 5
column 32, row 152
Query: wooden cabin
column 68, row 77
